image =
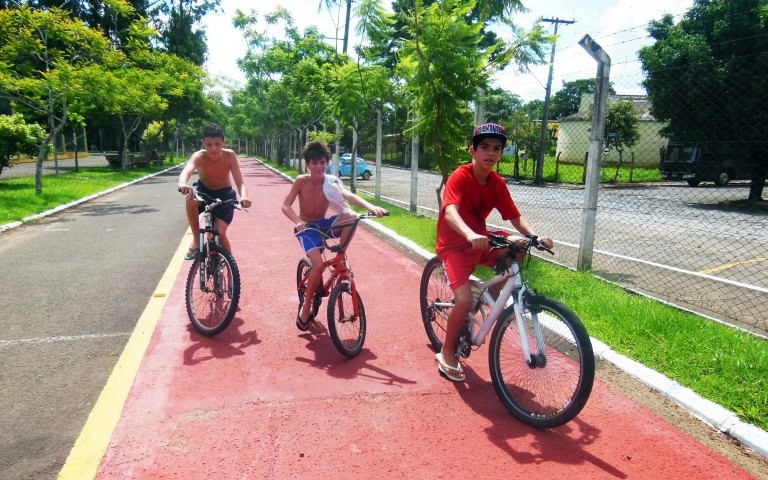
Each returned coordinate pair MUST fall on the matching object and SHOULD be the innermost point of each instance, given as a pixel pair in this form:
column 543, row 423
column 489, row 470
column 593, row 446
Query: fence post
column 379, row 139
column 414, row 166
column 589, row 213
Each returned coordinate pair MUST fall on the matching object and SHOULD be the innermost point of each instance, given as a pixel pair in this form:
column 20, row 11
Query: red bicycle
column 346, row 313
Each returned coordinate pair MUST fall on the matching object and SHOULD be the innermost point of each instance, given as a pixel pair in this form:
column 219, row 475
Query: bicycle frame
column 339, row 271
column 208, row 233
column 514, row 288
column 338, row 264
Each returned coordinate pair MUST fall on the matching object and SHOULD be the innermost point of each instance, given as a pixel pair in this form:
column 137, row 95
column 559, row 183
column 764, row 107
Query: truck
column 706, row 162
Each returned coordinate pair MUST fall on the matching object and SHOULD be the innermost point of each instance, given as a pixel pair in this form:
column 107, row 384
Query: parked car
column 696, row 163
column 345, row 167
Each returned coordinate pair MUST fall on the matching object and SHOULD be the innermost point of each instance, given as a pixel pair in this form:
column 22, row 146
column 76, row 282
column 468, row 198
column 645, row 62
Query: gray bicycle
column 540, row 355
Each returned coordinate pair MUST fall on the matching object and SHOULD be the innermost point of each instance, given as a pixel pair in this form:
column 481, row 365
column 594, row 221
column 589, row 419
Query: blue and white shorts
column 312, row 238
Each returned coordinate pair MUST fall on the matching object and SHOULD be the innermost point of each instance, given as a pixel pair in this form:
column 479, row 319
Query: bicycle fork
column 538, row 360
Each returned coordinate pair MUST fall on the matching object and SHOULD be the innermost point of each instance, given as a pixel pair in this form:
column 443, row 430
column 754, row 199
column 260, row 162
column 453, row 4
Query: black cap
column 489, row 130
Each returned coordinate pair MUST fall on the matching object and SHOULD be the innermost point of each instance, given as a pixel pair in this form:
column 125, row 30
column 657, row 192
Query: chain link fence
column 673, row 217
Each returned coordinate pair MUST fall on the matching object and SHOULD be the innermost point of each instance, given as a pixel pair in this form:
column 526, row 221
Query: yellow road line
column 734, row 264
column 84, row 459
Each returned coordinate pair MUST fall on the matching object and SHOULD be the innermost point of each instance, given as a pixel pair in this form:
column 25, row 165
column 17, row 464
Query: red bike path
column 264, row 400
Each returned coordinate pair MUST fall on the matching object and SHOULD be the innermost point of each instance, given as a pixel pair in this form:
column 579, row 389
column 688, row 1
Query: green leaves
column 18, row 138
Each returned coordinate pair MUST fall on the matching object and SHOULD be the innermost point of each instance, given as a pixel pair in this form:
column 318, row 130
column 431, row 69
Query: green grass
column 563, row 173
column 18, row 198
column 724, row 365
column 569, row 173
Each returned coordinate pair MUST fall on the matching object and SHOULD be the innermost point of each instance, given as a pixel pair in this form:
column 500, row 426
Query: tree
column 42, row 55
column 444, row 81
column 289, row 78
column 18, row 138
column 500, row 105
column 706, row 78
column 176, row 20
column 566, row 101
column 356, row 92
column 524, row 136
column 622, row 128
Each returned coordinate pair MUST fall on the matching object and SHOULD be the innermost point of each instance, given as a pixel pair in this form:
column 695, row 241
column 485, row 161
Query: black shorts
column 224, row 212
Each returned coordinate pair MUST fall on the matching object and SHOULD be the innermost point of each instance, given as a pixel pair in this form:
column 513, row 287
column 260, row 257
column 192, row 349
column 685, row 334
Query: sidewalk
column 263, row 400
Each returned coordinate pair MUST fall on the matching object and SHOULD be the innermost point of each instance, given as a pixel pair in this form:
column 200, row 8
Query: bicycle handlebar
column 214, row 203
column 500, row 241
column 345, row 224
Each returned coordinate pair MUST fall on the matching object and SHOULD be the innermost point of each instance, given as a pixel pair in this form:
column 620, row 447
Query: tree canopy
column 706, row 78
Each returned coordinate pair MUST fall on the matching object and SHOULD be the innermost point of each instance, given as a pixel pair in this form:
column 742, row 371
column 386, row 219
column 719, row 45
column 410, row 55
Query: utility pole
column 346, row 26
column 543, row 139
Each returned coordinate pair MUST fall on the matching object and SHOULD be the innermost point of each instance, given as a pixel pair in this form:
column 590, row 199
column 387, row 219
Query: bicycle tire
column 346, row 330
column 432, row 290
column 301, row 286
column 548, row 390
column 212, row 308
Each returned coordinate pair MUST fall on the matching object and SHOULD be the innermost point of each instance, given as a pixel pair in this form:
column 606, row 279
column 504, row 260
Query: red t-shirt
column 475, row 202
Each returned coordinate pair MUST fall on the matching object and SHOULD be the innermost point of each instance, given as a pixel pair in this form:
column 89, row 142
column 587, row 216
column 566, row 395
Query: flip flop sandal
column 303, row 326
column 454, row 374
column 300, row 324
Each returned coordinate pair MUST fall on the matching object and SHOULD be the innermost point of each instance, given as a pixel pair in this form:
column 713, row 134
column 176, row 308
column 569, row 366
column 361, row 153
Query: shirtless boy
column 317, row 191
column 216, row 167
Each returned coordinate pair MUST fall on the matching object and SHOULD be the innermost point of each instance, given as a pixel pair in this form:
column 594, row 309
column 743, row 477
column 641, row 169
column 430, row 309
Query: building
column 574, row 132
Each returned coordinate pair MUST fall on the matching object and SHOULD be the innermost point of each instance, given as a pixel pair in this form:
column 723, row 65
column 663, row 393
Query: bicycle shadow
column 229, row 343
column 564, row 444
column 336, row 365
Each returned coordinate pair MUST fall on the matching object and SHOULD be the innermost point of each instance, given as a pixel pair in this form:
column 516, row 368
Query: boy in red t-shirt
column 471, row 193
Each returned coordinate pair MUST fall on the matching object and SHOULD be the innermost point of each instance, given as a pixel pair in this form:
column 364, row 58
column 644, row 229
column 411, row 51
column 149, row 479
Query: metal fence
column 673, row 218
column 690, row 239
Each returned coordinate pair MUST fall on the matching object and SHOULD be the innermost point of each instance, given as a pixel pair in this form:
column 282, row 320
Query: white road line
column 64, row 338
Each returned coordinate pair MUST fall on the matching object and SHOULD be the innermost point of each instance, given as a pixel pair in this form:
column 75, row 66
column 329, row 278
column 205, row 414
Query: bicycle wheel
column 301, row 286
column 552, row 386
column 436, row 300
column 212, row 297
column 346, row 329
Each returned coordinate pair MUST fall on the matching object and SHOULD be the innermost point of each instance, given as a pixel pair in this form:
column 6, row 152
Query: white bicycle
column 540, row 355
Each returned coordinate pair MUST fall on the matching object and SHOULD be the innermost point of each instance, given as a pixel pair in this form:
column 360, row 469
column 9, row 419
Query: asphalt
column 262, row 400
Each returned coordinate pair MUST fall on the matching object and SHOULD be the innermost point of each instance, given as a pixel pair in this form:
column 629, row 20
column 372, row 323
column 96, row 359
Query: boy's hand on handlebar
column 477, row 241
column 246, row 202
column 188, row 191
column 378, row 211
column 547, row 242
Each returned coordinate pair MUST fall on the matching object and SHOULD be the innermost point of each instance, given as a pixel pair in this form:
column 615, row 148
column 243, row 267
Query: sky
column 618, row 26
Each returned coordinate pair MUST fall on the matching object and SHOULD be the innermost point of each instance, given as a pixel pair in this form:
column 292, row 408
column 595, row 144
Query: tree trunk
column 756, row 186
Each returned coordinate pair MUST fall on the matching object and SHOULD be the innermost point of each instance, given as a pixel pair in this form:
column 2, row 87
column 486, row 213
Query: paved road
column 73, row 289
